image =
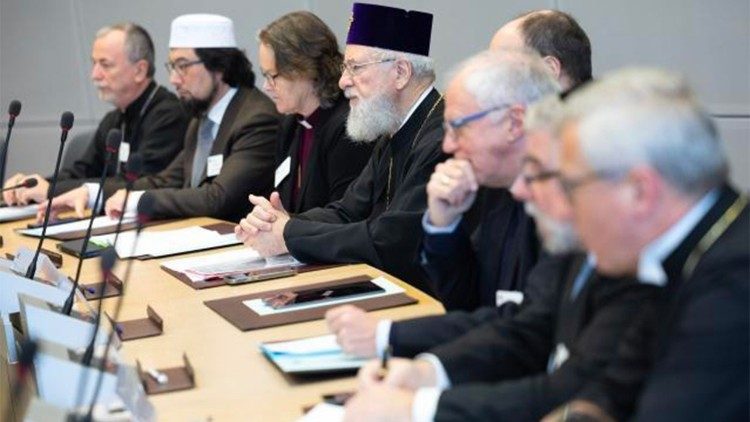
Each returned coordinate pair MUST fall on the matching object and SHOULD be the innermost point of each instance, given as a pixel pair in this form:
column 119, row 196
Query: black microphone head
column 134, row 166
column 30, row 182
column 108, row 259
column 114, row 136
column 28, row 352
column 145, row 208
column 66, row 121
column 14, row 109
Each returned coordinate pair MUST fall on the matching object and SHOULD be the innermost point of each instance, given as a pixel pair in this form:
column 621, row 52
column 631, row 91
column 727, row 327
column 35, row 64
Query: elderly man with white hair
column 515, row 368
column 388, row 77
column 644, row 168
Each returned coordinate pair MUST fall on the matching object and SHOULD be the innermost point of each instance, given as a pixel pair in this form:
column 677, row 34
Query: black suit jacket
column 493, row 248
column 335, row 160
column 687, row 359
column 499, row 369
column 363, row 226
column 245, row 139
column 157, row 136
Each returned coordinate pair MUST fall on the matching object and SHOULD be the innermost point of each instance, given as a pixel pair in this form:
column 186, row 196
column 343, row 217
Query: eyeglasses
column 180, row 67
column 451, row 127
column 271, row 79
column 570, row 184
column 354, row 68
column 529, row 179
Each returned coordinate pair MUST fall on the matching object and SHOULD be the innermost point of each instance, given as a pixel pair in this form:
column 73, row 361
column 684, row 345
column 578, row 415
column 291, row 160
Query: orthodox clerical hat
column 390, row 28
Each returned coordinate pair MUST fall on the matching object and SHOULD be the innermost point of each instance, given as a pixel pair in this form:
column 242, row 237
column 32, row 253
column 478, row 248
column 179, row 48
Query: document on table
column 310, row 355
column 17, row 212
column 77, row 226
column 166, row 242
column 220, row 264
column 260, row 308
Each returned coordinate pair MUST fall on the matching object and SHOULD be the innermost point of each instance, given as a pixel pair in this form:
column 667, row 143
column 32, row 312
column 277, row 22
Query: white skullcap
column 202, row 31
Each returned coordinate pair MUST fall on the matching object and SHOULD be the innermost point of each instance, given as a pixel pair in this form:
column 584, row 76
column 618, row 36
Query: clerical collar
column 650, row 269
column 416, row 105
column 311, row 121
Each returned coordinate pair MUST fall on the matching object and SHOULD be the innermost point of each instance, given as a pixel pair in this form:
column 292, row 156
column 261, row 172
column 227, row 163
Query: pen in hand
column 384, row 363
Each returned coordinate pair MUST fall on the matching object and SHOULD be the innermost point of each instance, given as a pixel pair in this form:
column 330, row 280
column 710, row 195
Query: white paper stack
column 220, row 264
column 167, row 242
column 17, row 212
column 77, row 226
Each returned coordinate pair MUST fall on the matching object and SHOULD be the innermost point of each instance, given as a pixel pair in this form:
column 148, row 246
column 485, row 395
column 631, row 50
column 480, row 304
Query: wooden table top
column 233, row 379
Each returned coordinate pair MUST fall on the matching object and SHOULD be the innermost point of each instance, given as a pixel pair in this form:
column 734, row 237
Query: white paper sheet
column 224, row 263
column 260, row 308
column 17, row 212
column 324, row 412
column 74, row 226
column 167, row 242
column 314, row 354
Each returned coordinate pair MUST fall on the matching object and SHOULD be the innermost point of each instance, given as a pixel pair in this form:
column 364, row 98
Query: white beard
column 557, row 237
column 372, row 118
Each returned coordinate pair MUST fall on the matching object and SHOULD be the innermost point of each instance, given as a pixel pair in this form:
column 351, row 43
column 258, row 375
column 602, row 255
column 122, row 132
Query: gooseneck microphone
column 66, row 122
column 113, row 144
column 106, row 263
column 28, row 183
column 145, row 213
column 14, row 109
column 132, row 172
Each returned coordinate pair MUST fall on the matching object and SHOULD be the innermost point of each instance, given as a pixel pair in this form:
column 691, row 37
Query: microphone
column 132, row 172
column 14, row 109
column 106, row 263
column 145, row 212
column 28, row 349
column 113, row 144
column 28, row 183
column 66, row 122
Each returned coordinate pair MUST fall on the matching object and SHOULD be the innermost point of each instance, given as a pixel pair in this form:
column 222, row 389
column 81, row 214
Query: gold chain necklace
column 718, row 228
column 390, row 161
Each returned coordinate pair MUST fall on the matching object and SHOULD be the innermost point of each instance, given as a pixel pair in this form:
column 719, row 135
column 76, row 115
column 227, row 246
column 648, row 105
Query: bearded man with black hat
column 388, row 78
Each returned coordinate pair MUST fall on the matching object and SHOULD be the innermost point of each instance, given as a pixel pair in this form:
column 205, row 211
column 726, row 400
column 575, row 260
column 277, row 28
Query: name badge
column 124, row 152
column 508, row 296
column 213, row 167
column 282, row 171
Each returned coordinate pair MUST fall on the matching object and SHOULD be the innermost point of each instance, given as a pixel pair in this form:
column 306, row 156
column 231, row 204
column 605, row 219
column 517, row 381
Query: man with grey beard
column 150, row 117
column 513, row 368
column 388, row 77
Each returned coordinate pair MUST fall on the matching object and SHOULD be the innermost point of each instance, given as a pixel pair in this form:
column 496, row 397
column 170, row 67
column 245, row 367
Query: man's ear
column 141, row 70
column 645, row 189
column 553, row 63
column 516, row 118
column 404, row 73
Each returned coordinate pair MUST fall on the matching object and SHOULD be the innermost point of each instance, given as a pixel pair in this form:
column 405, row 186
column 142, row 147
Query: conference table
column 234, row 381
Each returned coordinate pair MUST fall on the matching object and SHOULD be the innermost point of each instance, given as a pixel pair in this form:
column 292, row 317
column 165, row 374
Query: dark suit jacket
column 335, row 160
column 687, row 359
column 157, row 136
column 499, row 369
column 363, row 226
column 245, row 138
column 493, row 248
